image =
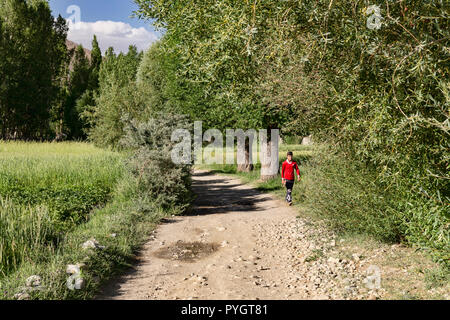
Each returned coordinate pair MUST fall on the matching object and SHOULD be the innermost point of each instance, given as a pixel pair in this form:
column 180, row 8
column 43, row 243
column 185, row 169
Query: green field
column 47, row 189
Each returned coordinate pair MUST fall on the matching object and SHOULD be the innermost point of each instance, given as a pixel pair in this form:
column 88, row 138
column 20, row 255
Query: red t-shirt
column 287, row 170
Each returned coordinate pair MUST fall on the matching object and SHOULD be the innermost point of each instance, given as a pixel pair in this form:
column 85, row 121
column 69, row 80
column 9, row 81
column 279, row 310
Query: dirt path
column 239, row 244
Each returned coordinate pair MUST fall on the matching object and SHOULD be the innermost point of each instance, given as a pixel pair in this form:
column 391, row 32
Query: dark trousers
column 289, row 187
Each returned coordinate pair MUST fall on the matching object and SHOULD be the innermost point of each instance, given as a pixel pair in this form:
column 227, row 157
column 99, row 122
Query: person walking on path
column 287, row 175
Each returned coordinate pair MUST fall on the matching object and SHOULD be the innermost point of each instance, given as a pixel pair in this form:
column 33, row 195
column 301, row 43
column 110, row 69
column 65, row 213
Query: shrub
column 157, row 176
column 346, row 194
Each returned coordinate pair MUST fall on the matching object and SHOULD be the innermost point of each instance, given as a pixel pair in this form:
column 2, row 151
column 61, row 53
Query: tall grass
column 24, row 234
column 355, row 198
column 346, row 194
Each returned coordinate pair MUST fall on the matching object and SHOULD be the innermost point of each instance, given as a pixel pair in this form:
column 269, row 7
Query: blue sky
column 110, row 20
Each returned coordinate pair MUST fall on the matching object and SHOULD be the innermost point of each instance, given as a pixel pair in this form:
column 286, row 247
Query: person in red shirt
column 287, row 175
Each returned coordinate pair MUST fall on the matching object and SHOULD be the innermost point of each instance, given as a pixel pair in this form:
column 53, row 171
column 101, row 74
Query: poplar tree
column 34, row 55
column 96, row 60
column 78, row 84
column 117, row 98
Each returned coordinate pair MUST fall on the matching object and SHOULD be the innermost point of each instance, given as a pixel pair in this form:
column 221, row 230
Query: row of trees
column 118, row 98
column 44, row 86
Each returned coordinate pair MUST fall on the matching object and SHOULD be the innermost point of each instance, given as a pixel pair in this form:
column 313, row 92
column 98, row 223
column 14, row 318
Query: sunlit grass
column 20, row 148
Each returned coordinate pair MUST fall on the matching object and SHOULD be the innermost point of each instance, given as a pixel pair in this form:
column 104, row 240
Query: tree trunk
column 246, row 166
column 269, row 156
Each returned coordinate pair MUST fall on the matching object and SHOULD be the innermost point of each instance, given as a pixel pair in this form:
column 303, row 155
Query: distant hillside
column 72, row 46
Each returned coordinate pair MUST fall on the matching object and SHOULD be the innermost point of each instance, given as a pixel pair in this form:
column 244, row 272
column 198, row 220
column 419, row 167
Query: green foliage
column 80, row 77
column 346, row 194
column 352, row 198
column 136, row 206
column 129, row 219
column 96, row 61
column 387, row 110
column 389, row 102
column 117, row 97
column 41, row 81
column 84, row 85
column 379, row 96
column 217, row 46
column 437, row 277
column 426, row 224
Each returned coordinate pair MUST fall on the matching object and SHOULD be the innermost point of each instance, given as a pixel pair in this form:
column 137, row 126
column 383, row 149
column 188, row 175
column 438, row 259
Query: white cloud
column 118, row 35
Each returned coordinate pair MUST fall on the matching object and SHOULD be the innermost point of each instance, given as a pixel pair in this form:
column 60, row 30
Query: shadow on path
column 220, row 195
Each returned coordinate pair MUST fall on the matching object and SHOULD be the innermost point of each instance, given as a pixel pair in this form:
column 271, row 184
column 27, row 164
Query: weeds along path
column 238, row 244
